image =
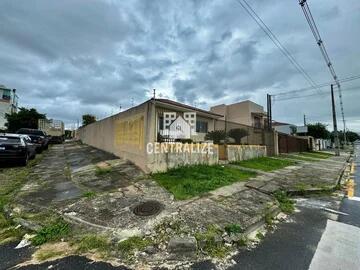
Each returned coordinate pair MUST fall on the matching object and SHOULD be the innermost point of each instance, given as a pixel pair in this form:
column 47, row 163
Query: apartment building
column 8, row 103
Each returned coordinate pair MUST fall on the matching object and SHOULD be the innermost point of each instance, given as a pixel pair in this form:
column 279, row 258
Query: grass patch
column 132, row 244
column 233, row 229
column 93, row 242
column 47, row 254
column 89, row 194
column 102, row 170
column 189, row 181
column 10, row 233
column 52, row 232
column 286, row 204
column 266, row 164
column 298, row 158
column 319, row 155
column 212, row 246
column 12, row 180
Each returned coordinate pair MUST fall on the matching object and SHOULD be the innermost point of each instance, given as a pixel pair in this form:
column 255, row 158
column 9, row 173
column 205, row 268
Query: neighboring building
column 246, row 112
column 8, row 103
column 289, row 129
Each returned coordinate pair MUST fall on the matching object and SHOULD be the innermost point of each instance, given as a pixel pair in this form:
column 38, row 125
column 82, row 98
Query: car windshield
column 9, row 140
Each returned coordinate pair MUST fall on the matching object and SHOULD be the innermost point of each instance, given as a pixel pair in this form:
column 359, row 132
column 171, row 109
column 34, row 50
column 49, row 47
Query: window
column 6, row 94
column 201, row 126
column 257, row 122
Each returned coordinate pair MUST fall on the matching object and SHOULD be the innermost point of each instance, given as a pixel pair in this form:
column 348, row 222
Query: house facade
column 127, row 134
column 8, row 103
column 246, row 113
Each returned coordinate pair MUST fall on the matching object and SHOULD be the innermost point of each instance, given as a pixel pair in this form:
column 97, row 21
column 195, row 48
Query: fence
column 289, row 144
column 256, row 136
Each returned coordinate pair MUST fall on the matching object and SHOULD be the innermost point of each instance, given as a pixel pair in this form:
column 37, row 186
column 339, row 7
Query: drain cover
column 148, row 208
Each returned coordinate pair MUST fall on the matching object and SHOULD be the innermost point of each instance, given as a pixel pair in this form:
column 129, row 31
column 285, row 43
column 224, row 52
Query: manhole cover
column 148, row 208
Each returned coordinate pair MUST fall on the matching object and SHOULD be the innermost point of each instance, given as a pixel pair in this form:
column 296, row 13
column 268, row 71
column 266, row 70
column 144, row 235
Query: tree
column 24, row 118
column 350, row 136
column 237, row 134
column 87, row 119
column 216, row 136
column 318, row 131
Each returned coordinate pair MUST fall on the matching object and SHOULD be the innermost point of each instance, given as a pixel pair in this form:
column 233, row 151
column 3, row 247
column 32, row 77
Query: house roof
column 178, row 104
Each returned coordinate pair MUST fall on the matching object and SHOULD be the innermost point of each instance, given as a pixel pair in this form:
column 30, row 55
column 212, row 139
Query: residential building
column 246, row 112
column 289, row 128
column 8, row 103
column 128, row 133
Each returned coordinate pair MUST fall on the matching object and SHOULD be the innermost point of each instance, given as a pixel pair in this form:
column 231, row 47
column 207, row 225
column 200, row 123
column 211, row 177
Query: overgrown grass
column 47, row 254
column 212, row 247
column 132, row 244
column 286, row 204
column 189, row 181
column 298, row 158
column 89, row 194
column 320, row 155
column 233, row 229
column 102, row 170
column 12, row 179
column 94, row 242
column 52, row 232
column 265, row 163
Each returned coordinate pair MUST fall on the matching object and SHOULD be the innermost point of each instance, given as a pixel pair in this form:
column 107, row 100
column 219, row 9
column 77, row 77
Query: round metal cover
column 148, row 208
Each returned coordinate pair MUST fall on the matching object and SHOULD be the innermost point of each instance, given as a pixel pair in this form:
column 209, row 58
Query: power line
column 245, row 5
column 348, row 79
column 316, row 94
column 320, row 43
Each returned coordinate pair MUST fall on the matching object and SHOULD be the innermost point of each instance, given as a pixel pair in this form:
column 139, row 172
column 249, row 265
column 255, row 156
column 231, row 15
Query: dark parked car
column 31, row 146
column 13, row 148
column 38, row 137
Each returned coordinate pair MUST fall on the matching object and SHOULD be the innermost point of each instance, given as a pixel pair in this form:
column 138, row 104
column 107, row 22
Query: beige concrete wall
column 124, row 134
column 244, row 152
column 160, row 162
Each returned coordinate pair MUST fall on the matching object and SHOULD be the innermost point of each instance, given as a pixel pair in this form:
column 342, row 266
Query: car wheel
column 25, row 160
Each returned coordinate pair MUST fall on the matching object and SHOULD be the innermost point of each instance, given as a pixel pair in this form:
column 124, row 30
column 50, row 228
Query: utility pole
column 269, row 112
column 154, row 93
column 336, row 135
column 304, row 120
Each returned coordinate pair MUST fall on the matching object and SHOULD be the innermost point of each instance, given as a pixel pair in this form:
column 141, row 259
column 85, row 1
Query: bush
column 237, row 134
column 216, row 136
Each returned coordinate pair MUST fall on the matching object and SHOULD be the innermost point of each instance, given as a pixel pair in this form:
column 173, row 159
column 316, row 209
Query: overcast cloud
column 71, row 57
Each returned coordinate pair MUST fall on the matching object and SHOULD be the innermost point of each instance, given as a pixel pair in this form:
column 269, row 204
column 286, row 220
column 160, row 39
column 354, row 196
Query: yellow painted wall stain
column 130, row 132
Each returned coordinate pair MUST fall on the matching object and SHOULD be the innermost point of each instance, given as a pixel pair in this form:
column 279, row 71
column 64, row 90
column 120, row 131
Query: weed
column 242, row 242
column 260, row 236
column 52, row 232
column 47, row 254
column 132, row 244
column 265, row 163
column 189, row 181
column 89, row 194
column 93, row 242
column 286, row 204
column 212, row 246
column 10, row 233
column 268, row 219
column 102, row 170
column 233, row 229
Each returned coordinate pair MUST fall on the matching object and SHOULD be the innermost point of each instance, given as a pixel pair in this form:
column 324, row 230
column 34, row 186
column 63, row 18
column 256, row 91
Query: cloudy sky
column 71, row 57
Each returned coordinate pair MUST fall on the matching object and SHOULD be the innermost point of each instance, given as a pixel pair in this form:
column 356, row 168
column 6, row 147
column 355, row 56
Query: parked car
column 31, row 146
column 38, row 137
column 13, row 148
